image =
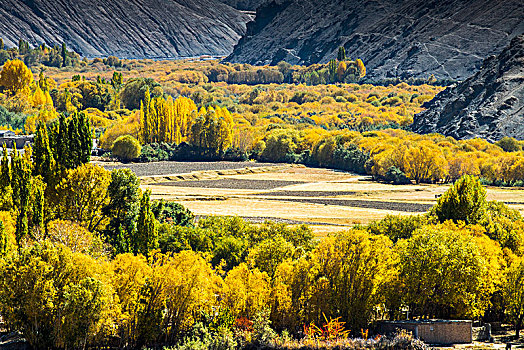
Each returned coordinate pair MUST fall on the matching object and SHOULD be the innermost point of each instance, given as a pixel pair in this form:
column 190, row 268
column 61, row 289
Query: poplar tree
column 86, row 140
column 64, row 55
column 3, row 240
column 146, row 238
column 43, row 156
column 21, row 184
column 5, row 170
column 38, row 203
column 123, row 207
column 71, row 141
column 341, row 53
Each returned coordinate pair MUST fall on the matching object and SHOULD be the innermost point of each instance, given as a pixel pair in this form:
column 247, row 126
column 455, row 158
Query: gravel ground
column 396, row 206
column 235, row 184
column 170, row 168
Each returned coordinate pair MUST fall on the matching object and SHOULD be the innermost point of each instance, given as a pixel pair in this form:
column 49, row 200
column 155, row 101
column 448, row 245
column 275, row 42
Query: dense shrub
column 53, row 297
column 171, row 212
column 464, row 201
column 396, row 176
column 10, row 119
column 126, row 148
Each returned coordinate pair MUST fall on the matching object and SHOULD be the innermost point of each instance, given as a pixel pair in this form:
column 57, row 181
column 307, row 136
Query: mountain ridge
column 490, row 104
column 395, row 39
column 125, row 28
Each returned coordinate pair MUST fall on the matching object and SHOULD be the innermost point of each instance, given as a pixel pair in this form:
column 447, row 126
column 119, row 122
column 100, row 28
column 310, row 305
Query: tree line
column 125, row 271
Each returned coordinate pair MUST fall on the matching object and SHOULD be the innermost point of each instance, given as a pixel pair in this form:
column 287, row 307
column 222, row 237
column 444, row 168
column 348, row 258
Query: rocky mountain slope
column 394, row 38
column 490, row 104
column 125, row 28
column 245, row 5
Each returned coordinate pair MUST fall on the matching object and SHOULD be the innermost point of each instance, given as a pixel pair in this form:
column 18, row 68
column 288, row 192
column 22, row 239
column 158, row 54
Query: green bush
column 397, row 177
column 14, row 120
column 464, row 201
column 398, row 226
column 126, row 148
column 173, row 213
column 509, row 144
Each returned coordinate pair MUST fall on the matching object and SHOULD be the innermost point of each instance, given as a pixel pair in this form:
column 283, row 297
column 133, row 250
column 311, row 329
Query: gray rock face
column 245, row 5
column 394, row 38
column 125, row 28
column 490, row 104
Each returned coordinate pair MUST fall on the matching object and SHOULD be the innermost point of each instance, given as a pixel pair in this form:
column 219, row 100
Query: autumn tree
column 352, row 271
column 146, row 237
column 122, row 209
column 211, row 131
column 424, row 163
column 53, row 297
column 15, row 76
column 361, row 68
column 464, row 201
column 280, row 145
column 514, row 294
column 164, row 120
column 446, row 272
column 83, row 195
column 246, row 291
column 341, row 71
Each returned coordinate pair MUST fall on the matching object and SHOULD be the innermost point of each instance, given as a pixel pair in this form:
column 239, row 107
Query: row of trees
column 223, row 274
column 165, row 120
column 56, row 56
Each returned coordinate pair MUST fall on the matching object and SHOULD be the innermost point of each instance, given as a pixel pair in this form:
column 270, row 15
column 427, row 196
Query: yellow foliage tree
column 39, row 98
column 15, row 76
column 246, row 291
column 83, row 194
column 164, row 120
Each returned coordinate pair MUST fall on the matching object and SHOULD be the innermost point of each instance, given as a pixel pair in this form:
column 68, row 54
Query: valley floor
column 328, row 200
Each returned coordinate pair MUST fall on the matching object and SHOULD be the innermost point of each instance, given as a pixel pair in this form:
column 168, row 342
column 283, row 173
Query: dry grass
column 317, row 184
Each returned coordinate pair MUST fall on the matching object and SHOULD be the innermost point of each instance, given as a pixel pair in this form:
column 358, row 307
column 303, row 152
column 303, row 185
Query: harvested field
column 261, row 220
column 355, row 203
column 168, row 168
column 307, row 193
column 327, row 200
column 231, row 183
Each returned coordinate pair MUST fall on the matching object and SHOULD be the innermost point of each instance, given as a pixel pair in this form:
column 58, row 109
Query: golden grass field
column 326, row 199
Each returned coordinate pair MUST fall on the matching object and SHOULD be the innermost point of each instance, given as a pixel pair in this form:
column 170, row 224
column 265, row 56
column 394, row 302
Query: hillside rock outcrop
column 490, row 104
column 245, row 5
column 394, row 38
column 125, row 28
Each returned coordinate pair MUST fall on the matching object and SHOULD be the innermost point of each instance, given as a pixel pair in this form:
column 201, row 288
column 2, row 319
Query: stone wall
column 433, row 331
column 20, row 141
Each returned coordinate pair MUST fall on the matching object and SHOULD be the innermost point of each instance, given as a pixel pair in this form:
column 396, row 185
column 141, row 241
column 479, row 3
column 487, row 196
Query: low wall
column 20, row 141
column 433, row 331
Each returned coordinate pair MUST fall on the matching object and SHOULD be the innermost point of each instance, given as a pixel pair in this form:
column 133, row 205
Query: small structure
column 6, row 133
column 10, row 139
column 433, row 331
